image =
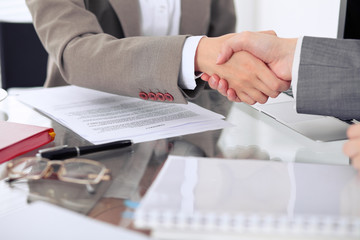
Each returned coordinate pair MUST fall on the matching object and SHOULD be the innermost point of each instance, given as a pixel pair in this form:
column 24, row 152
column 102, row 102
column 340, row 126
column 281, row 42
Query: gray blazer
column 329, row 78
column 93, row 43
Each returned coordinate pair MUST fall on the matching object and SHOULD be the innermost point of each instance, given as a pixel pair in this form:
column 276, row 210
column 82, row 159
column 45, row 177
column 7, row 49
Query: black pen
column 70, row 152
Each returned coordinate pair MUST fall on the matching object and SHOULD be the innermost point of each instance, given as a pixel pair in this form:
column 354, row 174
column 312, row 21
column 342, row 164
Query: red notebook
column 17, row 139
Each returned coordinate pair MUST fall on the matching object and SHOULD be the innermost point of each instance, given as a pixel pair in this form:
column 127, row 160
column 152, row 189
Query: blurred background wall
column 289, row 18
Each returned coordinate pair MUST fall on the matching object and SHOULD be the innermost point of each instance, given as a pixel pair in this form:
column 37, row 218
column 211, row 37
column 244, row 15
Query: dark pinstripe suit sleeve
column 329, row 77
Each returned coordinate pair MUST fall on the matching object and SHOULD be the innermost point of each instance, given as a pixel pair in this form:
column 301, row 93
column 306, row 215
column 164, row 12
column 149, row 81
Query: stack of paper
column 101, row 117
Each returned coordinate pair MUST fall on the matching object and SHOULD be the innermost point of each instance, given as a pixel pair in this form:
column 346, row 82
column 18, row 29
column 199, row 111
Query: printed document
column 101, row 117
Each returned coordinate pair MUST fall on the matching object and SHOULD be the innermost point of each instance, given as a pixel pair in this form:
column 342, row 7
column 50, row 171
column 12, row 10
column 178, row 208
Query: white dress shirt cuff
column 187, row 71
column 295, row 66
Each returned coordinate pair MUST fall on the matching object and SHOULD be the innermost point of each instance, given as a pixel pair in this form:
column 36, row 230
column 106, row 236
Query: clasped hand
column 272, row 76
column 239, row 74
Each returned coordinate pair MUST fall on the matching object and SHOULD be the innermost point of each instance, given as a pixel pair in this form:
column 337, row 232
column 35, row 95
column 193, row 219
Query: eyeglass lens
column 69, row 170
column 81, row 171
column 31, row 167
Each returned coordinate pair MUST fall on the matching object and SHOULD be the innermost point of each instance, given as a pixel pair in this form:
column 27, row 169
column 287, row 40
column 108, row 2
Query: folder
column 17, row 139
column 208, row 198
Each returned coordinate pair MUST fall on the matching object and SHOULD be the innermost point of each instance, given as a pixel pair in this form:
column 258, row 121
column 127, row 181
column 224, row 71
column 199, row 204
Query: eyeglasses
column 81, row 171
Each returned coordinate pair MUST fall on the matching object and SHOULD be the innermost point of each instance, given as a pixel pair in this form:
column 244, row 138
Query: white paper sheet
column 101, row 117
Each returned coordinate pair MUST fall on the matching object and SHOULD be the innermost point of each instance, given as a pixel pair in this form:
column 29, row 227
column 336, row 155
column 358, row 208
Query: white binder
column 202, row 198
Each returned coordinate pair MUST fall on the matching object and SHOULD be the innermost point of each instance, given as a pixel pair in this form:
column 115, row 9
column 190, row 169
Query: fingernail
column 212, row 80
column 218, row 59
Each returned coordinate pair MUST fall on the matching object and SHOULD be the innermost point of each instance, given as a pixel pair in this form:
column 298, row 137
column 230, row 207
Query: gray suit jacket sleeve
column 82, row 54
column 329, row 78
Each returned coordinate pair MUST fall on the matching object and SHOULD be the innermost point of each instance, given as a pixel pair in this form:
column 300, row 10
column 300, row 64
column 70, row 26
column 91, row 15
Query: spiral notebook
column 202, row 198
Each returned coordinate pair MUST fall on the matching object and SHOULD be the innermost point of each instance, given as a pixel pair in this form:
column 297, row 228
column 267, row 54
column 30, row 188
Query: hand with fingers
column 247, row 77
column 222, row 86
column 277, row 53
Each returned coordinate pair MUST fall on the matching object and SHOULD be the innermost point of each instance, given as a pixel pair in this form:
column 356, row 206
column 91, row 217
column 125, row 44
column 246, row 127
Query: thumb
column 234, row 44
column 269, row 32
column 225, row 53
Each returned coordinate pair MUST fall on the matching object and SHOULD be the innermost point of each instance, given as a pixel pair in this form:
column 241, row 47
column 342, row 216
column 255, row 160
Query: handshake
column 250, row 67
column 247, row 67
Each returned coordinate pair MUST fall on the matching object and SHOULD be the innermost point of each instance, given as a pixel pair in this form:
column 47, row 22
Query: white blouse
column 161, row 18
